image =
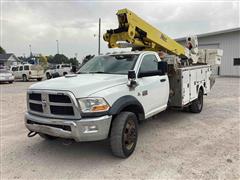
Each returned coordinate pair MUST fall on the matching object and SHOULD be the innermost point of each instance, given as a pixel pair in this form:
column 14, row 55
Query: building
column 227, row 40
column 8, row 59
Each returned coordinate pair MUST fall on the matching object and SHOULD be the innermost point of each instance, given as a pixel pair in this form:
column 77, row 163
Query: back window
column 36, row 67
column 26, row 67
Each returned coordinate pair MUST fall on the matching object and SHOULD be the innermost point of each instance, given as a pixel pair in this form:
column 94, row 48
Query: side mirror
column 132, row 79
column 131, row 74
column 163, row 67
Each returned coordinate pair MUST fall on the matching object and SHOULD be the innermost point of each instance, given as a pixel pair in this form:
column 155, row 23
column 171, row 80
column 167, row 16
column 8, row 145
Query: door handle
column 162, row 80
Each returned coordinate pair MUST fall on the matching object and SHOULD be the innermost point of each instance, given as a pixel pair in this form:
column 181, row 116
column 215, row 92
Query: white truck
column 110, row 95
column 58, row 70
column 113, row 93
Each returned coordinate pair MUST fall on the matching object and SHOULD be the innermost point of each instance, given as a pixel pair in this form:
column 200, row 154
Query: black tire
column 48, row 76
column 46, row 136
column 24, row 77
column 39, row 79
column 124, row 134
column 64, row 73
column 10, row 82
column 197, row 104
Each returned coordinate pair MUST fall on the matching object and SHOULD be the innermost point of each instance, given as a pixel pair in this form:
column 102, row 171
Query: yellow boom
column 141, row 35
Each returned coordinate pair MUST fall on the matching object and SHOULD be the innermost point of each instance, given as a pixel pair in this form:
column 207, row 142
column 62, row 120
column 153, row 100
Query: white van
column 27, row 71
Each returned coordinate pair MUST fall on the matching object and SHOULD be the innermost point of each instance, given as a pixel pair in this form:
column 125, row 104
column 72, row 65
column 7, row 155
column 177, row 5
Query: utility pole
column 30, row 49
column 57, row 46
column 99, row 36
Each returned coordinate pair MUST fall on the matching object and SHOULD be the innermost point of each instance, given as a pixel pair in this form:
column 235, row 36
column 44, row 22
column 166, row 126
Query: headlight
column 89, row 105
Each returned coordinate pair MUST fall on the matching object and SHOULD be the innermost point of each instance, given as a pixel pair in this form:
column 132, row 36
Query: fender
column 129, row 103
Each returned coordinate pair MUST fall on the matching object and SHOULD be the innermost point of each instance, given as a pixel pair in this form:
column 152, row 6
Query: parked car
column 27, row 71
column 58, row 70
column 6, row 76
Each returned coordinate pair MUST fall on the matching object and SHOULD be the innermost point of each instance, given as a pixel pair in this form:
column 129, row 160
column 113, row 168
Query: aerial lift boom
column 141, row 36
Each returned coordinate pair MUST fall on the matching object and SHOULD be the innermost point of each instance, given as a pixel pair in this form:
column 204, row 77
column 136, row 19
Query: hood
column 81, row 85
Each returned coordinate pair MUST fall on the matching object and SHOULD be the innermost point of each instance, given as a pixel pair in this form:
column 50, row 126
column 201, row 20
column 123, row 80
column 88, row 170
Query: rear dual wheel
column 197, row 105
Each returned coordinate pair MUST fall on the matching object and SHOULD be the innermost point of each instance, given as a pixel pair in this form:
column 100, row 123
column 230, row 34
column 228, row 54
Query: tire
column 39, row 79
column 64, row 73
column 197, row 104
column 24, row 77
column 48, row 76
column 46, row 136
column 10, row 82
column 124, row 134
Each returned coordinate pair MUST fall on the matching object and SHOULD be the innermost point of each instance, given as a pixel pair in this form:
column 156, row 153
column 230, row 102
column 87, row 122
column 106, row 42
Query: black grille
column 59, row 98
column 62, row 110
column 64, row 127
column 36, row 107
column 35, row 96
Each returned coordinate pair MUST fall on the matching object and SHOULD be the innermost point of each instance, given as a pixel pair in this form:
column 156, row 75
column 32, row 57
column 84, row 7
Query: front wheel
column 197, row 104
column 39, row 79
column 124, row 134
column 48, row 76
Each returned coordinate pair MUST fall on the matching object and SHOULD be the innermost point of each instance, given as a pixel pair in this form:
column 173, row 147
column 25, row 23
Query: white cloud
column 75, row 23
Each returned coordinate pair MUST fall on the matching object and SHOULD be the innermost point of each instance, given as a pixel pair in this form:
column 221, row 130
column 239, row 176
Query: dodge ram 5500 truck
column 111, row 94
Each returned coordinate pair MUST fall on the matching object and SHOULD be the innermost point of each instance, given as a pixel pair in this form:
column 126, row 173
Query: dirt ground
column 173, row 145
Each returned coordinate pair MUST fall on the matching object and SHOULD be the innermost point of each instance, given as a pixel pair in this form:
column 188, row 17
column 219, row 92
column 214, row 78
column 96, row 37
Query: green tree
column 49, row 58
column 43, row 61
column 59, row 59
column 2, row 51
column 74, row 61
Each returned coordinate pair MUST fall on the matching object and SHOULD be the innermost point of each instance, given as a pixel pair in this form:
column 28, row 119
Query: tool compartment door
column 185, row 87
column 193, row 84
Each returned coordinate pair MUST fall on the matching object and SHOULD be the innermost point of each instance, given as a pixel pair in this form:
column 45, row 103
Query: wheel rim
column 129, row 136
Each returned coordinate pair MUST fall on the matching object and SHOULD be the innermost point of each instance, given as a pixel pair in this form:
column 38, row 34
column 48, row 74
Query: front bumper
column 88, row 129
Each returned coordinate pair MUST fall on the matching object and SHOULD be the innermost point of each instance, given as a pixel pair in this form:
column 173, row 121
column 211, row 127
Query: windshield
column 110, row 64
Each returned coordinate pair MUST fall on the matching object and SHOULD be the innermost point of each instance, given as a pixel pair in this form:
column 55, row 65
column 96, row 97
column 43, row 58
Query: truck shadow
column 100, row 150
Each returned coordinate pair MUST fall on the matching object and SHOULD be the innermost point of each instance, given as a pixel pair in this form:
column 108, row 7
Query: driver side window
column 149, row 63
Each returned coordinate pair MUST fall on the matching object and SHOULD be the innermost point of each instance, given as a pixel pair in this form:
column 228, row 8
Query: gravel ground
column 174, row 144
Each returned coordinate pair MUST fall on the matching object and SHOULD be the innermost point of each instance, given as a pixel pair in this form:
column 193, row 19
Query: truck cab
column 99, row 102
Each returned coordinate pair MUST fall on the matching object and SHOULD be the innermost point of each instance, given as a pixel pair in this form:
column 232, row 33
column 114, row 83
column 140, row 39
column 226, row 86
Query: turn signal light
column 100, row 108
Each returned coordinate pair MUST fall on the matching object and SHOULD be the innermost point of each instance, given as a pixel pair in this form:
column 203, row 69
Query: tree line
column 56, row 59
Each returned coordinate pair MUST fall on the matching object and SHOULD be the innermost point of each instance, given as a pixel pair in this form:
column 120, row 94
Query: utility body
column 112, row 93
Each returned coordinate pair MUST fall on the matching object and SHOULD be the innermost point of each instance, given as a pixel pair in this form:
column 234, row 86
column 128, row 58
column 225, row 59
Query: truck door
column 14, row 70
column 153, row 91
column 19, row 72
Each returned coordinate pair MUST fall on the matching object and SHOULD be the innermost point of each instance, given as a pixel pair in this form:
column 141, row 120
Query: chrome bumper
column 88, row 129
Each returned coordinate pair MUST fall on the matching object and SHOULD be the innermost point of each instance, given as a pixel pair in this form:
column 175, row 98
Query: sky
column 74, row 23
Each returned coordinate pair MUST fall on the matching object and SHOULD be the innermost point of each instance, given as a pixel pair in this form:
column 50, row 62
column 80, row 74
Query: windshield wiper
column 98, row 72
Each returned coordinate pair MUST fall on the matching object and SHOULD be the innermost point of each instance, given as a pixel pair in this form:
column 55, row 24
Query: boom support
column 141, row 35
